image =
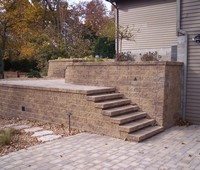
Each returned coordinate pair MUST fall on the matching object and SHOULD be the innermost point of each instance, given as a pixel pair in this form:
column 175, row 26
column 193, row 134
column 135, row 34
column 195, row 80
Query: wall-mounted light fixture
column 196, row 38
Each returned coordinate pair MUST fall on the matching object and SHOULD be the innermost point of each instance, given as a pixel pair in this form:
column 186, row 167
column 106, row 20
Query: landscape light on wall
column 196, row 38
column 69, row 114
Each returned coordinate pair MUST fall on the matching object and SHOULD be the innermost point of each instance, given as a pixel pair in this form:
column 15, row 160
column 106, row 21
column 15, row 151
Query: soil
column 181, row 122
column 23, row 140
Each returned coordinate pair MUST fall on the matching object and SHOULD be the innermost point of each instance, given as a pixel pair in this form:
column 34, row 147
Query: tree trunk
column 44, row 15
column 121, row 39
column 3, row 48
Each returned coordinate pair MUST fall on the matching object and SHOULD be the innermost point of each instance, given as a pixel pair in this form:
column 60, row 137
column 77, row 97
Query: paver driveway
column 176, row 148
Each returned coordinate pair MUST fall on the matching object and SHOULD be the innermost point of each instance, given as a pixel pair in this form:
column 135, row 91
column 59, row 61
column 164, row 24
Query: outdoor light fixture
column 196, row 38
column 69, row 114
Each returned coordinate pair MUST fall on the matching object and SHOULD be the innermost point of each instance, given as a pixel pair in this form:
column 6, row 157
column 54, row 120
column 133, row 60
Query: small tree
column 126, row 33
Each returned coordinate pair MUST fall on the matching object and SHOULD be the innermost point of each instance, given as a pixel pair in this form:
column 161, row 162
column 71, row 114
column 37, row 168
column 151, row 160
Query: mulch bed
column 23, row 140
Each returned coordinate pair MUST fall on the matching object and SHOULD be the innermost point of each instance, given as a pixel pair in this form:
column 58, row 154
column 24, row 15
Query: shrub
column 92, row 59
column 6, row 135
column 105, row 47
column 34, row 74
column 125, row 56
column 23, row 65
column 150, row 56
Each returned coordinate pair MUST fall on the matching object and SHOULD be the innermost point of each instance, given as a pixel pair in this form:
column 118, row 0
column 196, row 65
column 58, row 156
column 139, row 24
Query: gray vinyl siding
column 190, row 22
column 156, row 20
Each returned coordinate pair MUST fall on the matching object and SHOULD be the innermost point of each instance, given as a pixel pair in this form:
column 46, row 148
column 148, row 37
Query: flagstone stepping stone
column 48, row 138
column 33, row 129
column 8, row 126
column 19, row 127
column 42, row 133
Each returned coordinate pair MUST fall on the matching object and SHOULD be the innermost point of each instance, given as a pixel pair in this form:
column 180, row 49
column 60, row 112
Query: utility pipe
column 182, row 32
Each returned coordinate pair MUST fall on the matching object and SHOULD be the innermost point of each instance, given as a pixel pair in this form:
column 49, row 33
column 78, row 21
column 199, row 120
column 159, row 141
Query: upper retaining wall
column 57, row 67
column 154, row 86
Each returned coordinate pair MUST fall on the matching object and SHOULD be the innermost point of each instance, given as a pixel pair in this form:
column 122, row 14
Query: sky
column 108, row 5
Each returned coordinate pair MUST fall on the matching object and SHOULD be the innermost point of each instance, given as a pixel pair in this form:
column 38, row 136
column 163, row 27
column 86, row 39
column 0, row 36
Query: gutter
column 184, row 33
column 114, row 4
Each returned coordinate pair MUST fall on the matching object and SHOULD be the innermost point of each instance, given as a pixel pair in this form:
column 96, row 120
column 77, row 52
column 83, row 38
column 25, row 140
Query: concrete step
column 145, row 133
column 128, row 117
column 103, row 97
column 120, row 110
column 112, row 103
column 136, row 125
column 101, row 91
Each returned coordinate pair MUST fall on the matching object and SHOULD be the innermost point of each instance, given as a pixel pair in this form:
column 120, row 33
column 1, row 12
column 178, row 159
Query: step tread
column 137, row 122
column 120, row 108
column 128, row 117
column 136, row 125
column 101, row 90
column 145, row 133
column 117, row 110
column 102, row 97
column 113, row 101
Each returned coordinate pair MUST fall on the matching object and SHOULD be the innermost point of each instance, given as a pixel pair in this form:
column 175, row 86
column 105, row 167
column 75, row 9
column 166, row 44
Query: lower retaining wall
column 51, row 105
column 12, row 74
column 154, row 86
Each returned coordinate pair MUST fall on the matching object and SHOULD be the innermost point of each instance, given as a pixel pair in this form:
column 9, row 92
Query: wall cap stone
column 131, row 63
column 66, row 60
column 43, row 88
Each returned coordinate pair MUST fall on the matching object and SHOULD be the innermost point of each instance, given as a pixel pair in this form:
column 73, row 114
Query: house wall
column 156, row 20
column 190, row 22
column 154, row 86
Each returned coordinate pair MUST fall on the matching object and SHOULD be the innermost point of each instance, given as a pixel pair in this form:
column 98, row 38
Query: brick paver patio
column 176, row 148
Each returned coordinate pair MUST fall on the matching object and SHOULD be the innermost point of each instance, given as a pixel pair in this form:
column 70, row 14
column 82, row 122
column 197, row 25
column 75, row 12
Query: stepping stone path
column 42, row 133
column 48, row 138
column 38, row 132
column 33, row 129
column 20, row 127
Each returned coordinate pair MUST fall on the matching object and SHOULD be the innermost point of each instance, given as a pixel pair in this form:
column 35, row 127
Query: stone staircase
column 133, row 123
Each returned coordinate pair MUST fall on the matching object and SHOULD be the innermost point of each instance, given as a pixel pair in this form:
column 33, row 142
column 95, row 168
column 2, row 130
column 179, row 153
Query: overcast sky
column 76, row 1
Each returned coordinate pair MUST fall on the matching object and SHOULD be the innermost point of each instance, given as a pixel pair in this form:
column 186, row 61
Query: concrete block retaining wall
column 154, row 86
column 51, row 105
column 57, row 67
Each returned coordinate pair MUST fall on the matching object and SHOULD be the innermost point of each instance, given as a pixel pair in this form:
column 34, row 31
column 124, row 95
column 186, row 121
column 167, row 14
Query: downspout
column 182, row 32
column 117, row 9
column 117, row 20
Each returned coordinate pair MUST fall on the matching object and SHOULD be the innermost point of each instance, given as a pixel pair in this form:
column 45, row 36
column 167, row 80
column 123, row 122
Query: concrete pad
column 55, row 85
column 48, row 138
column 33, row 129
column 42, row 133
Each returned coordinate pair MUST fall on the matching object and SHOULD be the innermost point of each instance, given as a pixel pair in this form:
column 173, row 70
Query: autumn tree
column 96, row 18
column 30, row 30
column 41, row 30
